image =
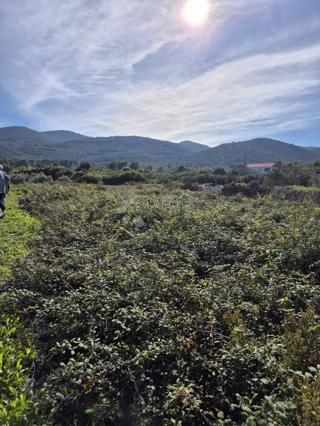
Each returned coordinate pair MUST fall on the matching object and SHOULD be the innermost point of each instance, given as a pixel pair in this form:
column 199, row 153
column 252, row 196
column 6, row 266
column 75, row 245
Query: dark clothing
column 2, row 200
column 4, row 189
column 4, row 183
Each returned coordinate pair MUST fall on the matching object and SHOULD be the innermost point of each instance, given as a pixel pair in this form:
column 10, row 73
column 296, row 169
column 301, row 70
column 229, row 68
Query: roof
column 260, row 165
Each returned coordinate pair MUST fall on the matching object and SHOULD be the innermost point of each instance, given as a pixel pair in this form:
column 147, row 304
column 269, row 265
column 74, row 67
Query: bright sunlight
column 196, row 12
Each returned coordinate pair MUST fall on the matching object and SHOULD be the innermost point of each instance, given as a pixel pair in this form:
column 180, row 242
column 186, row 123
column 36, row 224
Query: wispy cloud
column 133, row 67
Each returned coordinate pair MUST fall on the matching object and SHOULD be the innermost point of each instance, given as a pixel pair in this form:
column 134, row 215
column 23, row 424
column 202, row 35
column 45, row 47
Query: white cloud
column 71, row 65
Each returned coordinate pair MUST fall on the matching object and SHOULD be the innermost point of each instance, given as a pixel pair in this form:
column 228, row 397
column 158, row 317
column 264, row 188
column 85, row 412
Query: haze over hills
column 22, row 142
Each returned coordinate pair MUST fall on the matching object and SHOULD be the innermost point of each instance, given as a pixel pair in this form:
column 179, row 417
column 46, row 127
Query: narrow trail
column 15, row 231
column 16, row 352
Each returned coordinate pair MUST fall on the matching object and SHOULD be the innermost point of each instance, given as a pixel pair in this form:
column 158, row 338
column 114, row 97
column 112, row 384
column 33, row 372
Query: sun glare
column 196, row 12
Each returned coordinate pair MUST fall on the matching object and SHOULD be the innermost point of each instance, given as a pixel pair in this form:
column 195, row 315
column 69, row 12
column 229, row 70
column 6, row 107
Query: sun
column 196, row 12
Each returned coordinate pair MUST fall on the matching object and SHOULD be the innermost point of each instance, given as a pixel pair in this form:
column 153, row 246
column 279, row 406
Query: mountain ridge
column 23, row 142
column 193, row 147
column 63, row 135
column 253, row 150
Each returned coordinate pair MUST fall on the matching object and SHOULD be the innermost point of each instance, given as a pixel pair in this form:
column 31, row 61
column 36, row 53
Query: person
column 4, row 189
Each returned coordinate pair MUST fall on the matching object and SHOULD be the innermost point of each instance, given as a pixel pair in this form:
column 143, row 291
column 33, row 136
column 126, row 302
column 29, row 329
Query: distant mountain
column 193, row 147
column 315, row 150
column 21, row 142
column 255, row 150
column 19, row 133
column 63, row 135
column 123, row 148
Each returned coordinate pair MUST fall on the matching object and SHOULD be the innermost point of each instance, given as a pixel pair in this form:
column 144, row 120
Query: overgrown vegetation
column 16, row 351
column 285, row 179
column 152, row 305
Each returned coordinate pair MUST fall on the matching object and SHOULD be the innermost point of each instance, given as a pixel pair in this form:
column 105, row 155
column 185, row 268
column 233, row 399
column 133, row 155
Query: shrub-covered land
column 236, row 179
column 16, row 351
column 152, row 305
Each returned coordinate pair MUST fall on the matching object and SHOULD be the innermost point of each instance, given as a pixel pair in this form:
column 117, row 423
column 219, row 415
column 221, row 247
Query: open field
column 150, row 305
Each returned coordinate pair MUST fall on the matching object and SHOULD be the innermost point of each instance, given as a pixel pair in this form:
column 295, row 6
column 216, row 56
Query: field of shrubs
column 146, row 304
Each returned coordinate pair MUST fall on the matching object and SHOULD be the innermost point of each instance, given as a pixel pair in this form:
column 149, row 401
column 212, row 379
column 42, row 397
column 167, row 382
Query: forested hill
column 193, row 147
column 63, row 135
column 255, row 150
column 21, row 142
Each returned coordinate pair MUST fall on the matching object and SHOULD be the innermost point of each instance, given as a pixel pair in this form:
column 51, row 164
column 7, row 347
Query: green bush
column 16, row 356
column 90, row 179
column 122, row 178
column 19, row 179
column 56, row 171
column 16, row 350
column 309, row 407
column 302, row 341
column 39, row 178
column 156, row 306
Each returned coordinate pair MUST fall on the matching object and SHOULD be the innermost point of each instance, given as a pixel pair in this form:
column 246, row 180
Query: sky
column 139, row 67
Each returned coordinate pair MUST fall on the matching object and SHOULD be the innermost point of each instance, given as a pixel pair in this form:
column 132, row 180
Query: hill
column 123, row 148
column 63, row 135
column 22, row 142
column 255, row 150
column 314, row 149
column 193, row 147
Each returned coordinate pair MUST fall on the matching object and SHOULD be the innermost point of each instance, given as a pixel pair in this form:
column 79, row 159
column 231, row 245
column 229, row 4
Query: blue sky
column 124, row 67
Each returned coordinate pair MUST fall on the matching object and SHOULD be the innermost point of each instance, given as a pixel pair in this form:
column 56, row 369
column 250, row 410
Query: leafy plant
column 148, row 304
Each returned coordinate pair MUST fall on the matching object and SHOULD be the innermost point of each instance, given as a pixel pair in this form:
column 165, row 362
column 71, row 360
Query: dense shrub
column 250, row 189
column 85, row 165
column 56, row 171
column 156, row 306
column 16, row 352
column 64, row 179
column 120, row 179
column 16, row 358
column 89, row 179
column 294, row 193
column 78, row 176
column 39, row 178
column 234, row 189
column 309, row 407
column 31, row 177
column 19, row 179
column 191, row 186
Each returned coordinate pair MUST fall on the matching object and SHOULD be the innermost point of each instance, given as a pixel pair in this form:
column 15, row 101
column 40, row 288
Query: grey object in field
column 4, row 182
column 212, row 187
column 139, row 223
